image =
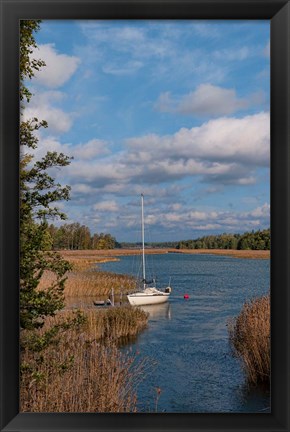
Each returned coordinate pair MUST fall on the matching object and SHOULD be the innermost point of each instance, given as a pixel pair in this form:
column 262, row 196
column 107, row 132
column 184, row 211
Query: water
column 188, row 339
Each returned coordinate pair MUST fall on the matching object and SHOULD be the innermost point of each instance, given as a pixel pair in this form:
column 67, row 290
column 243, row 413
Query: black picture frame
column 278, row 12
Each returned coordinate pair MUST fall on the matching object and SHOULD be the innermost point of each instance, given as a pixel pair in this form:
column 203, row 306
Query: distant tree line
column 75, row 236
column 254, row 240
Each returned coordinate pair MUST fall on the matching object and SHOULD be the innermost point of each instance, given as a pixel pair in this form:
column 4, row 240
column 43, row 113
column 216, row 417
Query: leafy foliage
column 78, row 237
column 28, row 66
column 38, row 194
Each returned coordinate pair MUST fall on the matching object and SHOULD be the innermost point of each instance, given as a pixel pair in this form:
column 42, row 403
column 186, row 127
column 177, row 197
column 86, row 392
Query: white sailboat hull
column 151, row 297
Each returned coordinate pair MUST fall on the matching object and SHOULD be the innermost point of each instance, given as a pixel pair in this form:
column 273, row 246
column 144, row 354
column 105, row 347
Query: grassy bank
column 250, row 338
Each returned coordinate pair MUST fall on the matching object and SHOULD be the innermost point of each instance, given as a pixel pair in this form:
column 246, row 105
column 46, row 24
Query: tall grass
column 77, row 371
column 92, row 283
column 103, row 324
column 80, row 376
column 98, row 283
column 250, row 338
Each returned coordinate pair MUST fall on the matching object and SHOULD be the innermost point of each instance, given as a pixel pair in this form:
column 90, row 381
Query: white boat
column 149, row 295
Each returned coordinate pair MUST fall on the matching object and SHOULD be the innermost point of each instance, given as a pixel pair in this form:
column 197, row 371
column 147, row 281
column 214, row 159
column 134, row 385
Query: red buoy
column 186, row 296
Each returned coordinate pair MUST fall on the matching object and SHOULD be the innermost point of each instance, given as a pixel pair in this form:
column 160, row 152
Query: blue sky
column 177, row 110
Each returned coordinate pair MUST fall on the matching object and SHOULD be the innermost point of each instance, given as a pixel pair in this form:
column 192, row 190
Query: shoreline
column 107, row 255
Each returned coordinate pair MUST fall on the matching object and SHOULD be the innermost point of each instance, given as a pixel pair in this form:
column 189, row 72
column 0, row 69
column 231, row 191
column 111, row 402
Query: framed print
column 144, row 215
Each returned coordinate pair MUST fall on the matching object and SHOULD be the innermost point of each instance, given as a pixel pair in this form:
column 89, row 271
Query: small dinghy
column 109, row 302
column 103, row 302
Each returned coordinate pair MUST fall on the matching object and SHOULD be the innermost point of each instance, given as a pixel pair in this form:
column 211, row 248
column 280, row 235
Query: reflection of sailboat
column 149, row 295
column 162, row 310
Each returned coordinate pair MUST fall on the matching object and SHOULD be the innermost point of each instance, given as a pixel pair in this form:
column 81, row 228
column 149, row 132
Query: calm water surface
column 188, row 339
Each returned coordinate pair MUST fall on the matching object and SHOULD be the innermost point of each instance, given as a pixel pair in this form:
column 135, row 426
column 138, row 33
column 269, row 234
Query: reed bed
column 233, row 253
column 85, row 262
column 91, row 282
column 112, row 254
column 97, row 283
column 108, row 254
column 106, row 324
column 77, row 371
column 250, row 338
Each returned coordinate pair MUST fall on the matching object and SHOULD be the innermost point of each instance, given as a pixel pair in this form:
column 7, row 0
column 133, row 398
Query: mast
column 143, row 243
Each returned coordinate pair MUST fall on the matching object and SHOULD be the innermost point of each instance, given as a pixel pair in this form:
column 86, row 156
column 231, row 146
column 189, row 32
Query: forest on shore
column 75, row 236
column 254, row 240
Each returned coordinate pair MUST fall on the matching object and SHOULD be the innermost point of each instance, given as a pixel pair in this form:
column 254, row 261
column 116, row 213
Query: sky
column 176, row 110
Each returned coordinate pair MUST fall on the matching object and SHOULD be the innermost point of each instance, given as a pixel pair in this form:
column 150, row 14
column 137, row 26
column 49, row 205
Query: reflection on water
column 156, row 311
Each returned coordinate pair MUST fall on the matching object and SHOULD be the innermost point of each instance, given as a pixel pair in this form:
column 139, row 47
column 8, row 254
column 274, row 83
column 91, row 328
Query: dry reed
column 77, row 372
column 113, row 254
column 91, row 283
column 109, row 323
column 250, row 338
column 97, row 283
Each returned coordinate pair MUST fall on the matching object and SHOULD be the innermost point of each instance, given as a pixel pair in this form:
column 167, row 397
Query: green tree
column 38, row 194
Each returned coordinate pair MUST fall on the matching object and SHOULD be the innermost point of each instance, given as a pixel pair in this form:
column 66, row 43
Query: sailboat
column 149, row 295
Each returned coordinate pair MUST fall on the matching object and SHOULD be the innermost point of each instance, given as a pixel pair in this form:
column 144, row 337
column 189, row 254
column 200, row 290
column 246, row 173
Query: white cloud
column 42, row 106
column 83, row 154
column 223, row 151
column 82, row 188
column 90, row 150
column 106, row 206
column 226, row 151
column 59, row 68
column 262, row 211
column 49, row 144
column 185, row 218
column 236, row 140
column 215, row 220
column 206, row 100
column 58, row 121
